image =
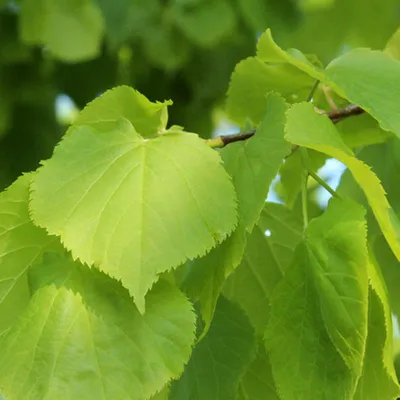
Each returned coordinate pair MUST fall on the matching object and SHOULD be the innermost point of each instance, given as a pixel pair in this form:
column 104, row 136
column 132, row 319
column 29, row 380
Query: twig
column 334, row 115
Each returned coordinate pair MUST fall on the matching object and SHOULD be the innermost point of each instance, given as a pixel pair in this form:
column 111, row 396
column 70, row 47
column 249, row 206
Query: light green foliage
column 379, row 81
column 318, row 325
column 140, row 261
column 253, row 79
column 70, row 29
column 149, row 119
column 220, row 359
column 376, row 88
column 258, row 383
column 305, row 128
column 253, row 164
column 265, row 260
column 21, row 245
column 134, row 207
column 82, row 337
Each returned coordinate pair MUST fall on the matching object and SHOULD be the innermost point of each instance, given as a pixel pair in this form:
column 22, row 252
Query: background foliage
column 325, row 320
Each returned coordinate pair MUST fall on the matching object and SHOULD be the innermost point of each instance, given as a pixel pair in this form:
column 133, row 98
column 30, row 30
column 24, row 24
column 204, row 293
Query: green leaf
column 205, row 277
column 82, row 337
column 22, row 244
column 268, row 51
column 378, row 379
column 147, row 118
column 375, row 88
column 220, row 359
column 362, row 131
column 70, row 29
column 258, row 383
column 284, row 228
column 384, row 159
column 305, row 128
column 253, row 164
column 134, row 207
column 206, row 23
column 252, row 176
column 253, row 79
column 318, row 326
column 265, row 260
column 390, row 268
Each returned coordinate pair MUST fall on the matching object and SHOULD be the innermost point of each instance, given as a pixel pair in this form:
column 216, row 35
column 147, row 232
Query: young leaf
column 71, row 30
column 220, row 359
column 252, row 79
column 102, row 113
column 375, row 89
column 318, row 326
column 266, row 256
column 378, row 379
column 134, row 207
column 258, row 383
column 306, row 128
column 82, row 337
column 253, row 164
column 22, row 244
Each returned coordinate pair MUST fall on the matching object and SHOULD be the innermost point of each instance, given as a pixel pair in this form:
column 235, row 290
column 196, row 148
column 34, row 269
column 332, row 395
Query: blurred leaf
column 125, row 18
column 165, row 48
column 205, row 23
column 71, row 30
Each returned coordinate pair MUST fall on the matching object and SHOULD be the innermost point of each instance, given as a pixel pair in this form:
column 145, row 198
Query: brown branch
column 335, row 116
